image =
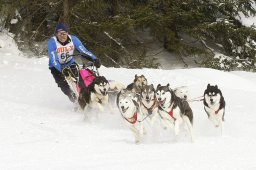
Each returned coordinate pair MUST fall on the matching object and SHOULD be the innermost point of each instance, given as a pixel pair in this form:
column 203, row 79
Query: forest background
column 132, row 33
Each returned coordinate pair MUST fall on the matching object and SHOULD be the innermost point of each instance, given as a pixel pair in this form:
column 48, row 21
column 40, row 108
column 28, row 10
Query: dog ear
column 158, row 85
column 208, row 86
column 122, row 91
column 216, row 86
column 168, row 85
column 136, row 78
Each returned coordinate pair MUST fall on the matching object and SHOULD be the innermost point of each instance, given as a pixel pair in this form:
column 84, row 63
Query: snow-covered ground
column 39, row 129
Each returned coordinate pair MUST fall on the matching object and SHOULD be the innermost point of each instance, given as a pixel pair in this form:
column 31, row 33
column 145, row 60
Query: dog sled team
column 138, row 102
column 141, row 103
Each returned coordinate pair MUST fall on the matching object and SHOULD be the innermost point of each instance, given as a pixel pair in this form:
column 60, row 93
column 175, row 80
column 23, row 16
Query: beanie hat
column 61, row 27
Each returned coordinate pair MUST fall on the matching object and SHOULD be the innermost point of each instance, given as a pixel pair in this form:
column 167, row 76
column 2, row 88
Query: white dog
column 182, row 92
column 127, row 103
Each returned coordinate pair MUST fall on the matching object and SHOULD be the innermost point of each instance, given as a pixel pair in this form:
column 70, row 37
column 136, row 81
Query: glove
column 97, row 63
column 65, row 72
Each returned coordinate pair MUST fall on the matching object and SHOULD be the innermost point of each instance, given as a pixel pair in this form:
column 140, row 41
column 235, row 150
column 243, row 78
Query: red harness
column 217, row 111
column 171, row 114
column 133, row 119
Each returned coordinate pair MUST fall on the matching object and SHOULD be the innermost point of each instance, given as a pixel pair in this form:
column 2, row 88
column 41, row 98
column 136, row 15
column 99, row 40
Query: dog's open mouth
column 103, row 92
column 124, row 109
column 162, row 102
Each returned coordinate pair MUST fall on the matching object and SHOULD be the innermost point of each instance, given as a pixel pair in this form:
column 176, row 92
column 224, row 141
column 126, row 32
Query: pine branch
column 112, row 60
column 118, row 43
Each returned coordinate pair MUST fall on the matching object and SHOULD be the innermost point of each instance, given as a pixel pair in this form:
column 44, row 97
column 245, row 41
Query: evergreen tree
column 113, row 29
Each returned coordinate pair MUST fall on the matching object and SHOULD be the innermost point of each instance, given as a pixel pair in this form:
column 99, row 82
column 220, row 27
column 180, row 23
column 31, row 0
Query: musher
column 60, row 49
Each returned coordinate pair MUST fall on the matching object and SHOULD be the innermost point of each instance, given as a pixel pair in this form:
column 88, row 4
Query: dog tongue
column 124, row 110
column 162, row 102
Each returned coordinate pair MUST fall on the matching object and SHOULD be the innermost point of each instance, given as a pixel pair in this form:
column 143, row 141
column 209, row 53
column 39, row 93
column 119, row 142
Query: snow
column 14, row 21
column 247, row 21
column 39, row 129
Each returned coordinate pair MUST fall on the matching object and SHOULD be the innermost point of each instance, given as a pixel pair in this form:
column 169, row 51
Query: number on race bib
column 65, row 56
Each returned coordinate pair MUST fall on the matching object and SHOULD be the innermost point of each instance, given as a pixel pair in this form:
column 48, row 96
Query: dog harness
column 216, row 112
column 150, row 110
column 169, row 113
column 87, row 77
column 133, row 119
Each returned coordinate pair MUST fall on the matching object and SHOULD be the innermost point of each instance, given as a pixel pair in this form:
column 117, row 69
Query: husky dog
column 115, row 86
column 148, row 102
column 127, row 103
column 182, row 92
column 137, row 84
column 214, row 105
column 96, row 95
column 174, row 110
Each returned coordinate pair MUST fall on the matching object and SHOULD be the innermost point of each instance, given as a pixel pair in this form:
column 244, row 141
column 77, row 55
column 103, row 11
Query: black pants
column 61, row 81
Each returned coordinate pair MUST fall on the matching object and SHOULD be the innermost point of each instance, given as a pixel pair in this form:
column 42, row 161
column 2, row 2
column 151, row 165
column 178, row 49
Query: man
column 60, row 49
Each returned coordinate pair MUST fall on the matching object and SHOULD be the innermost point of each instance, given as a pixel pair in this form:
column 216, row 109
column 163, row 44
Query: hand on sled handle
column 97, row 63
column 65, row 72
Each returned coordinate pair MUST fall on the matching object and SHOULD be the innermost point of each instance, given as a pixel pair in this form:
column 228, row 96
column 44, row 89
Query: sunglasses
column 62, row 33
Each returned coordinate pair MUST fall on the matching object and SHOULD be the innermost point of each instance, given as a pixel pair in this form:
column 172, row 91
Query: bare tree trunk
column 66, row 11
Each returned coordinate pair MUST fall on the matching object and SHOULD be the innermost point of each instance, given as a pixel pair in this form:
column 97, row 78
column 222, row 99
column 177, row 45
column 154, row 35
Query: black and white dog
column 214, row 105
column 173, row 110
column 128, row 105
column 96, row 95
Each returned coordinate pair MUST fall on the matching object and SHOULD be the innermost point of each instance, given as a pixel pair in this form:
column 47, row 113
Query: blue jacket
column 54, row 59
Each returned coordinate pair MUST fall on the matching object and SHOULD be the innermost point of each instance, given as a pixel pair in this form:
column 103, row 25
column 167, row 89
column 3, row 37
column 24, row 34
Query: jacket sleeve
column 81, row 48
column 53, row 58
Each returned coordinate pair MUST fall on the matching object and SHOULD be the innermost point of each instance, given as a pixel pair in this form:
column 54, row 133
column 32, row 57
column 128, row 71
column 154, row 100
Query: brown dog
column 138, row 83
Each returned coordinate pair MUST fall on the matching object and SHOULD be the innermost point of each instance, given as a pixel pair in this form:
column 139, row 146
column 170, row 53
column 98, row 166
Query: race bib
column 64, row 52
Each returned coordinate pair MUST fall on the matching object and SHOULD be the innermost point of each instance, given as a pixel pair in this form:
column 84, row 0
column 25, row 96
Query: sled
column 87, row 72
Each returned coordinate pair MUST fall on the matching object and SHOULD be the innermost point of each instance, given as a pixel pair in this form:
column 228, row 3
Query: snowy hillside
column 39, row 129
